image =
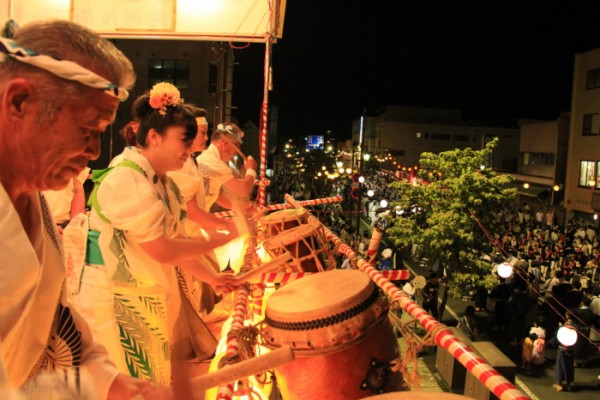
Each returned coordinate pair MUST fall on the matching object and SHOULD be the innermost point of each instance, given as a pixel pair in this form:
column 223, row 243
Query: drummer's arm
column 241, row 186
column 205, row 219
column 207, row 274
column 224, row 201
column 167, row 250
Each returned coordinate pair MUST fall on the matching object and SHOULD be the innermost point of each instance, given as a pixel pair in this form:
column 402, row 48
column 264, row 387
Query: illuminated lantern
column 567, row 336
column 505, row 270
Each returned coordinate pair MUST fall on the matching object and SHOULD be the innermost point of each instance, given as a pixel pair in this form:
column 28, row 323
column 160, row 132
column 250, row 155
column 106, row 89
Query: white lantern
column 383, row 203
column 370, row 193
column 505, row 270
column 361, row 179
column 567, row 336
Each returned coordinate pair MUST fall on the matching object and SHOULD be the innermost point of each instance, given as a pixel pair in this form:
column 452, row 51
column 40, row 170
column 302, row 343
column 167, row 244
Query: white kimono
column 38, row 332
column 132, row 299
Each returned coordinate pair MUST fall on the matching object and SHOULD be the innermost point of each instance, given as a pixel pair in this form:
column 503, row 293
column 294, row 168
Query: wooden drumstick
column 231, row 373
column 236, row 147
column 273, row 264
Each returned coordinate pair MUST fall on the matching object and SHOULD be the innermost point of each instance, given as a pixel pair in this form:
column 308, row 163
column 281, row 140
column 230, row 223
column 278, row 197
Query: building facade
column 582, row 186
column 543, row 160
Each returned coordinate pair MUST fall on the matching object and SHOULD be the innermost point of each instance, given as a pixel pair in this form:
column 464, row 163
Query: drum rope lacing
column 327, row 321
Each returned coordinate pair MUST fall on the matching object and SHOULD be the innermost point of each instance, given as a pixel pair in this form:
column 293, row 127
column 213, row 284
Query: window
column 593, row 79
column 397, row 153
column 440, row 136
column 538, row 159
column 461, row 138
column 176, row 72
column 590, row 125
column 587, row 174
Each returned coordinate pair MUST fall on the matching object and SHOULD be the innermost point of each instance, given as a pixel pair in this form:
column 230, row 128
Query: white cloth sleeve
column 131, row 203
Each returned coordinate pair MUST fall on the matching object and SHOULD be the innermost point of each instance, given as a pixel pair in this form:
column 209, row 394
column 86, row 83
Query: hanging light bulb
column 383, row 203
column 370, row 193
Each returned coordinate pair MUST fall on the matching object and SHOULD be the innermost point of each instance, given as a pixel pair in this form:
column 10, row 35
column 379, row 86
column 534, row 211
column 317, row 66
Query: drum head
column 319, row 295
column 325, row 310
column 291, row 236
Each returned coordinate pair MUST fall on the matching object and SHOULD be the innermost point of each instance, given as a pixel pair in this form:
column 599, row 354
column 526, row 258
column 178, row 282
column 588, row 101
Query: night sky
column 486, row 58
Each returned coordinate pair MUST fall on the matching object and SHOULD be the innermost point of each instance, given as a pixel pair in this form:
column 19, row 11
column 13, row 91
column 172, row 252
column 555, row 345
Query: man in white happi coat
column 60, row 86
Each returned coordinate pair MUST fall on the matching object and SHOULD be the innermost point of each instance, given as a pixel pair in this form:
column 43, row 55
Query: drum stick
column 243, row 369
column 230, row 373
column 236, row 147
column 273, row 264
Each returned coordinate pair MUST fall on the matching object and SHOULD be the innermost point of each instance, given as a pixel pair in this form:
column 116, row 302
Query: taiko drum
column 336, row 322
column 283, row 220
column 307, row 245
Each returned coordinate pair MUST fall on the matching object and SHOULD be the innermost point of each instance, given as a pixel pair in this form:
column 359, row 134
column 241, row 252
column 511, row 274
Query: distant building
column 543, row 159
column 582, row 186
column 403, row 133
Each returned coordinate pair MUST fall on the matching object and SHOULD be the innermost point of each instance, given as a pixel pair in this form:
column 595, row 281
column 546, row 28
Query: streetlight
column 555, row 189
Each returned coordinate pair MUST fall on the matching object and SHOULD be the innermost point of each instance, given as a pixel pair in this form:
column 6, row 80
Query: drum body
column 283, row 220
column 337, row 324
column 307, row 245
column 419, row 396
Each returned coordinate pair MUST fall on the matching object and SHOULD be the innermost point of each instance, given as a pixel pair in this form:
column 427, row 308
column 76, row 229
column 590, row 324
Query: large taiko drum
column 283, row 220
column 307, row 245
column 337, row 324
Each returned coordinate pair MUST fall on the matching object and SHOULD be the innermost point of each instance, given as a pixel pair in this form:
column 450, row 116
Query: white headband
column 61, row 68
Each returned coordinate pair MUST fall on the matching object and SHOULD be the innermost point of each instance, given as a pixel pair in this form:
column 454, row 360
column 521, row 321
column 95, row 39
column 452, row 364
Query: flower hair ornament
column 163, row 95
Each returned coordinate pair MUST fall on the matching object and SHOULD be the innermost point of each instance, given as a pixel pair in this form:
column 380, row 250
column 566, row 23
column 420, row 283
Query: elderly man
column 60, row 86
column 224, row 187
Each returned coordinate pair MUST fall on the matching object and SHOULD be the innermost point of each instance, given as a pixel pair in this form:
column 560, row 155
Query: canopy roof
column 215, row 20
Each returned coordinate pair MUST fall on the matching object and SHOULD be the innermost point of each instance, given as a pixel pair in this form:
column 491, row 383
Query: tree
column 441, row 214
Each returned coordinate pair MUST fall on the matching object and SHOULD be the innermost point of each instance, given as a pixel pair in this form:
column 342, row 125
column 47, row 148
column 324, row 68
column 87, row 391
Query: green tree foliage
column 440, row 214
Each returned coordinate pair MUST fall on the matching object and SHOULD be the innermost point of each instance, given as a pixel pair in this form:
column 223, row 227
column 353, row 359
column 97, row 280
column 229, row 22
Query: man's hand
column 126, row 387
column 250, row 163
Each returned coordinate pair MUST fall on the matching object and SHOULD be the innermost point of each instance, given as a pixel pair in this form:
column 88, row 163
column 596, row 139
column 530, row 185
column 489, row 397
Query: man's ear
column 17, row 98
